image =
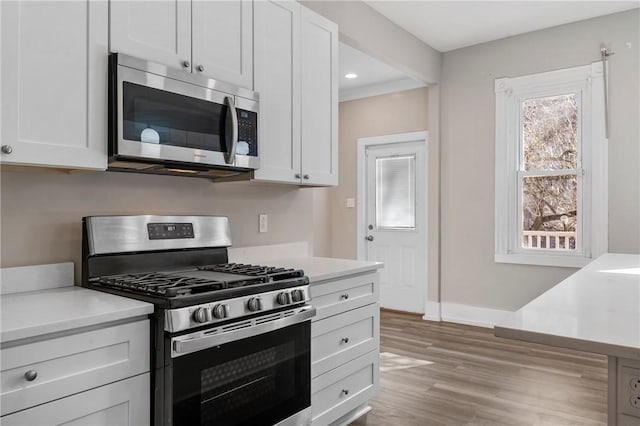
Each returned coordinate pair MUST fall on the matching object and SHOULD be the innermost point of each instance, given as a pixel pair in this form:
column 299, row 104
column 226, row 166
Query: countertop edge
column 42, row 330
column 602, row 348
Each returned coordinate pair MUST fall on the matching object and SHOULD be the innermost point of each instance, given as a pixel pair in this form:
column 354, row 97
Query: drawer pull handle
column 344, row 340
column 345, row 392
column 344, row 296
column 30, row 375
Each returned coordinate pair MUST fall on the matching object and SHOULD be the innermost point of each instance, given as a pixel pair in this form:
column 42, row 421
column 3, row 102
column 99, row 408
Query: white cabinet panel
column 337, row 296
column 70, row 364
column 319, row 90
column 277, row 79
column 54, row 83
column 158, row 31
column 345, row 388
column 123, row 403
column 341, row 338
column 222, row 34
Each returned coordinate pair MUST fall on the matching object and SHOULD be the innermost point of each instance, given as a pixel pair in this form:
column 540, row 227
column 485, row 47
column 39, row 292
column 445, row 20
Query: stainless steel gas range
column 230, row 342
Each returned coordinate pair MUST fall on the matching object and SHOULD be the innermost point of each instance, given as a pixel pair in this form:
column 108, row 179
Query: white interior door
column 395, row 222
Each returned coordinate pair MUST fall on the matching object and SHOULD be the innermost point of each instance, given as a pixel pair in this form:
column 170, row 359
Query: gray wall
column 42, row 210
column 469, row 274
column 365, row 29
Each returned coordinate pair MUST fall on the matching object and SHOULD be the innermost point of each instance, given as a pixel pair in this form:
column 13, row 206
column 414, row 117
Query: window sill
column 543, row 259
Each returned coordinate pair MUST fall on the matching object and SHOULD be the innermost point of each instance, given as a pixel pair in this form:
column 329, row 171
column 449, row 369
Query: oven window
column 260, row 380
column 158, row 117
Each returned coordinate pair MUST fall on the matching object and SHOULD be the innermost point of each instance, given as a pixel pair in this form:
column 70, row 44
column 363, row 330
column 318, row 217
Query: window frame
column 591, row 228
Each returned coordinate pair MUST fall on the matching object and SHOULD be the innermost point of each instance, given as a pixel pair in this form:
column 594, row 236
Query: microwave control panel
column 247, row 133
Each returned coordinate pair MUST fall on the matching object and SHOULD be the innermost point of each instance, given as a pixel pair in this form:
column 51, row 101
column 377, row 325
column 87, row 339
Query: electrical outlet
column 635, row 401
column 264, row 223
column 635, row 384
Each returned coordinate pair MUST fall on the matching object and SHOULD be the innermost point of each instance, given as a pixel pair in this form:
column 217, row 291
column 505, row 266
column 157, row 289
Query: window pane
column 395, row 192
column 549, row 212
column 550, row 132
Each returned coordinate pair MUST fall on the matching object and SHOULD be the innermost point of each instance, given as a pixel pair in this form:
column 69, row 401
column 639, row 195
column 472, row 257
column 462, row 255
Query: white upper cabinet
column 296, row 74
column 222, row 35
column 319, row 94
column 212, row 38
column 158, row 31
column 277, row 79
column 54, row 83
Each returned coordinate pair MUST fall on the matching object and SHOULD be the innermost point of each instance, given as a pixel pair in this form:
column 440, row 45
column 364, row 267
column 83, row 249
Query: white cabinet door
column 222, row 37
column 277, row 79
column 319, row 99
column 123, row 403
column 158, row 31
column 54, row 83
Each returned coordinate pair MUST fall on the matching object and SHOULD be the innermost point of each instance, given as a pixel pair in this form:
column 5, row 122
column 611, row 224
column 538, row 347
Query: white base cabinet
column 90, row 377
column 54, row 83
column 123, row 403
column 345, row 347
column 296, row 74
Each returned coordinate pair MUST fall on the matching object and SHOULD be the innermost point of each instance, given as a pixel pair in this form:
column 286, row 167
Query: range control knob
column 220, row 311
column 200, row 315
column 297, row 296
column 254, row 304
column 284, row 298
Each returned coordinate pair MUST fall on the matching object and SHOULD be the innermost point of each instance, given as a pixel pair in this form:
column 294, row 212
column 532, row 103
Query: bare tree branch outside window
column 550, row 143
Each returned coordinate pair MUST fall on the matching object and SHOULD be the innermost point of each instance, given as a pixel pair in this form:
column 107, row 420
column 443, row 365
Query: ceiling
column 449, row 25
column 374, row 77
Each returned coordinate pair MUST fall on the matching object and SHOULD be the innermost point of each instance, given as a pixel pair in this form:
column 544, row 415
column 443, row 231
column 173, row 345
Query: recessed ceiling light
column 351, row 75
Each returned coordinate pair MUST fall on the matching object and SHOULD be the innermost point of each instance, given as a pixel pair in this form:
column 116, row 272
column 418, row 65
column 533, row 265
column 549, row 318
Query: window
column 551, row 168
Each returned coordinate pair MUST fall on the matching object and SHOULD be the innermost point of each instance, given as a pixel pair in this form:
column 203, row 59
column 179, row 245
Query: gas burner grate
column 272, row 273
column 165, row 285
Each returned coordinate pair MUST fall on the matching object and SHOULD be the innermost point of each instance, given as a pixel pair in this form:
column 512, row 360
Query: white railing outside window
column 549, row 240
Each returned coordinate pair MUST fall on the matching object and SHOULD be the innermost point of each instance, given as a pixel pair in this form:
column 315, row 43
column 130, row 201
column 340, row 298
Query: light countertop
column 36, row 313
column 316, row 268
column 597, row 309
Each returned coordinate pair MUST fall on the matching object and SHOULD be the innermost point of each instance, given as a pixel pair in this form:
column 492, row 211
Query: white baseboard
column 464, row 314
column 432, row 312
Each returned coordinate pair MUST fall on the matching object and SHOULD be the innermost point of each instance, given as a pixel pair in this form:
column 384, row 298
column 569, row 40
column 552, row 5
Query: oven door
column 253, row 372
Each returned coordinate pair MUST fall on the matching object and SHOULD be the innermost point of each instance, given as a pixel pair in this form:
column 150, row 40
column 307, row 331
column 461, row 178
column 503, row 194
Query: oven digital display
column 169, row 231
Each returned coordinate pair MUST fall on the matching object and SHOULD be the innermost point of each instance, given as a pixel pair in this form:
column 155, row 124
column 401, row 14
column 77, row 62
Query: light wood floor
column 478, row 379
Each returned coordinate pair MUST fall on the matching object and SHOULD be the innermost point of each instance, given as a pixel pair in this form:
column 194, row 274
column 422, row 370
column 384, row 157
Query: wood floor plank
column 475, row 378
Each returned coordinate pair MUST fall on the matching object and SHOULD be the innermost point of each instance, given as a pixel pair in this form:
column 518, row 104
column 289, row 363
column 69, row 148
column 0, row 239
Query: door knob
column 6, row 149
column 369, row 237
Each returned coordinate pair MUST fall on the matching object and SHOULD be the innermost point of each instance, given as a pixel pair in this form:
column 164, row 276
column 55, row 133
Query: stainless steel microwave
column 168, row 121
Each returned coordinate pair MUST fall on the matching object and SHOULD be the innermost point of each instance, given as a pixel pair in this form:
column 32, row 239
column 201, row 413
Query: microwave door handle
column 232, row 115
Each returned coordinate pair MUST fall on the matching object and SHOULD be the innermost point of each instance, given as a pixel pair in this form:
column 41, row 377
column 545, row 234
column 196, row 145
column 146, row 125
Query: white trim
column 472, row 315
column 592, row 206
column 36, row 277
column 432, row 311
column 377, row 89
column 362, row 145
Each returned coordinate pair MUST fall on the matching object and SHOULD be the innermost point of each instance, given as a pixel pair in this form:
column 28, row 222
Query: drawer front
column 341, row 390
column 334, row 297
column 124, row 403
column 341, row 338
column 71, row 364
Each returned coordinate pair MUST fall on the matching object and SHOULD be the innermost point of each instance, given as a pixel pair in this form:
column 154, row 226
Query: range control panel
column 169, row 231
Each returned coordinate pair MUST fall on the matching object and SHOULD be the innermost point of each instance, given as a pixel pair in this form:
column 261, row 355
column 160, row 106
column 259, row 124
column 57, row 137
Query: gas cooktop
column 201, row 284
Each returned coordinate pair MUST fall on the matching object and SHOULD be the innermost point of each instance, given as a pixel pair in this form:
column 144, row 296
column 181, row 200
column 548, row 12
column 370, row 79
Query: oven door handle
column 194, row 342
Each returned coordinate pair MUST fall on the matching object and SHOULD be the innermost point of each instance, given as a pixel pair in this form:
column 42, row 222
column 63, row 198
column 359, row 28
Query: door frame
column 361, row 192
